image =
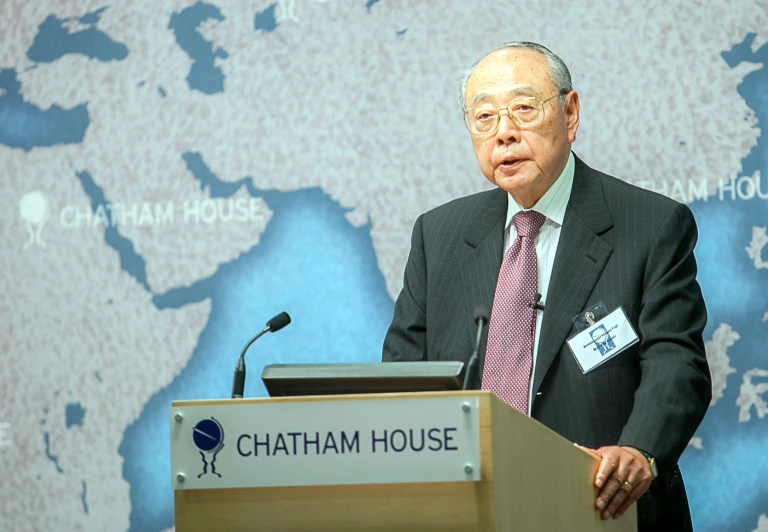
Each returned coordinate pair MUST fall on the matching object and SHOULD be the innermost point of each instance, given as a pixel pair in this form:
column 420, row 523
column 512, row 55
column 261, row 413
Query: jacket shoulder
column 460, row 210
column 622, row 196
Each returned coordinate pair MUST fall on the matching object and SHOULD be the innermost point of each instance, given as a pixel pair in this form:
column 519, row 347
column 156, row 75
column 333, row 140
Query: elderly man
column 552, row 241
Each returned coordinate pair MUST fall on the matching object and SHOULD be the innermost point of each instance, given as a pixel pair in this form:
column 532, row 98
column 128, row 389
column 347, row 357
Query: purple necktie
column 509, row 355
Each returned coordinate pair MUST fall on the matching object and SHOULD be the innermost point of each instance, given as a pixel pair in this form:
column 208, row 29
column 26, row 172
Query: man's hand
column 620, row 465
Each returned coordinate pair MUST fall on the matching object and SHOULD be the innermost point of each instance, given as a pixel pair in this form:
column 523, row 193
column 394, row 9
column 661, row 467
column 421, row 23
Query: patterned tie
column 509, row 356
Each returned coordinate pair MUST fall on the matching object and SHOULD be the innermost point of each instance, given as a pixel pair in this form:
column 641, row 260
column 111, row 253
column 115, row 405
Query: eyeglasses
column 526, row 112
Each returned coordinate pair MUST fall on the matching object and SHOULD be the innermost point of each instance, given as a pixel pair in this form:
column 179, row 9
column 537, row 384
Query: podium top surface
column 483, row 395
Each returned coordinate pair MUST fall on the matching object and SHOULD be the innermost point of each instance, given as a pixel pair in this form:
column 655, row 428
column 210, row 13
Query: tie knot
column 528, row 223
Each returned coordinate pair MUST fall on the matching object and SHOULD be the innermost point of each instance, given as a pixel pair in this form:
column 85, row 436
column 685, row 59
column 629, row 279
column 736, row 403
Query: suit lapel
column 580, row 259
column 479, row 269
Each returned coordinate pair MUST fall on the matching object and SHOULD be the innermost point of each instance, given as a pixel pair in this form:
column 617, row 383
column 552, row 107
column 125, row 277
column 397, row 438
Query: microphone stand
column 238, row 381
column 481, row 319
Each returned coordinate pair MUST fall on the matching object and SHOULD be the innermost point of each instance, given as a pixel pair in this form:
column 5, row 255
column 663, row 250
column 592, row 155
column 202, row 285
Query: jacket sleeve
column 406, row 339
column 675, row 384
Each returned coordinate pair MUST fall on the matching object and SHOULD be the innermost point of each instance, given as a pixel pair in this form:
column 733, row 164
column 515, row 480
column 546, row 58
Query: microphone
column 481, row 319
column 273, row 325
column 278, row 322
column 537, row 304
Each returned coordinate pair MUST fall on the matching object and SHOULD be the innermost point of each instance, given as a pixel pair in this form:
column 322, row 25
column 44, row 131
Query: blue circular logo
column 208, row 435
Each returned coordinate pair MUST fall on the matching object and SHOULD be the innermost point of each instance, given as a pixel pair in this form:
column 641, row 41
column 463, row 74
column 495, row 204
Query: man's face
column 524, row 162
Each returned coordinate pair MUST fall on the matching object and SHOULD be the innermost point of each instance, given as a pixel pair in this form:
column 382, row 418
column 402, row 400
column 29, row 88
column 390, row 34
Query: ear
column 572, row 114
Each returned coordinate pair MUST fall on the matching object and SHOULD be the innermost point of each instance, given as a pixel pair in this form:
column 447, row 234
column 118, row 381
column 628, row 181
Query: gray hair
column 558, row 71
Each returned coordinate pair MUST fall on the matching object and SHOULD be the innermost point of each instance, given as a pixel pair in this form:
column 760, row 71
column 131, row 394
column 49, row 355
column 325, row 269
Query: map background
column 337, row 123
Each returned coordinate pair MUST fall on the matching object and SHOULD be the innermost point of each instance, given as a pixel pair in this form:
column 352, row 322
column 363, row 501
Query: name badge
column 601, row 340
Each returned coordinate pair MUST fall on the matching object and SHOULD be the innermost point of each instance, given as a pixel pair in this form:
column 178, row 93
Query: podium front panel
column 277, row 444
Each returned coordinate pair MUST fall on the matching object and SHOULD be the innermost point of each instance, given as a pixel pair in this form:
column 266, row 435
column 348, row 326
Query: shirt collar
column 552, row 204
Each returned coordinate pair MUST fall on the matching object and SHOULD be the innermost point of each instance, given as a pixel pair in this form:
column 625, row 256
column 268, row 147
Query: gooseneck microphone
column 481, row 319
column 273, row 325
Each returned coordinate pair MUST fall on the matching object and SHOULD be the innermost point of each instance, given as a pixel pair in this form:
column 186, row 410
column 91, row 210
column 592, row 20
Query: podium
column 432, row 461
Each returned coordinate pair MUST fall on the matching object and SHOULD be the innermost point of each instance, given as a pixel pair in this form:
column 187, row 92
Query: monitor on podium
column 339, row 379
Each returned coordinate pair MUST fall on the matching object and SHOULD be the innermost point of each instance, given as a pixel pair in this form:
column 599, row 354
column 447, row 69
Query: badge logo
column 208, row 436
column 602, row 339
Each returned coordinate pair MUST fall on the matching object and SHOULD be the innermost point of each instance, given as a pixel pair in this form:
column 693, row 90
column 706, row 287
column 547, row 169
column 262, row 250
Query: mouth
column 510, row 163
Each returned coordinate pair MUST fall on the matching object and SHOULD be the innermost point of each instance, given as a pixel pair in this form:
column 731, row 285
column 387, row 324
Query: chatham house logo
column 208, row 436
column 602, row 339
column 35, row 211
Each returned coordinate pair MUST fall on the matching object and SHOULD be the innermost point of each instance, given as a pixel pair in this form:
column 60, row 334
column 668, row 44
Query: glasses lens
column 482, row 119
column 527, row 111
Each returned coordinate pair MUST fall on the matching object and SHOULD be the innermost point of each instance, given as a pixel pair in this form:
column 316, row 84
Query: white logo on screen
column 5, row 434
column 35, row 211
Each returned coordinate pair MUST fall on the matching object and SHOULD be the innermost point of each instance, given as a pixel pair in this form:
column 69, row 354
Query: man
column 557, row 230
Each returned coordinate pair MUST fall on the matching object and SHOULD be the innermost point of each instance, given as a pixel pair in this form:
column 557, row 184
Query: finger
column 640, row 486
column 615, row 491
column 588, row 450
column 621, row 495
column 629, row 501
column 639, row 479
column 612, row 495
column 607, row 466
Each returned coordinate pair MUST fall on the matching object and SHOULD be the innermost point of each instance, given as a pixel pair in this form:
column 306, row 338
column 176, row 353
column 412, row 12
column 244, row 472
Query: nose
column 507, row 132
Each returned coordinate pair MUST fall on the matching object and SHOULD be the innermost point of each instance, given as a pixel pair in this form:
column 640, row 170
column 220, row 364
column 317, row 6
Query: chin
column 512, row 183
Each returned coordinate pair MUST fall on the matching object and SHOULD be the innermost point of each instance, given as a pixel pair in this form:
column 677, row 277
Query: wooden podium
column 531, row 479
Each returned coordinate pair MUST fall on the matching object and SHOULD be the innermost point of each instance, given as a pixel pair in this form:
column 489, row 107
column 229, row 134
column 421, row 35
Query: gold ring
column 626, row 486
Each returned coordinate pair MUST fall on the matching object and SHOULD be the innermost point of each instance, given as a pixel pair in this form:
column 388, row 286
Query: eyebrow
column 517, row 91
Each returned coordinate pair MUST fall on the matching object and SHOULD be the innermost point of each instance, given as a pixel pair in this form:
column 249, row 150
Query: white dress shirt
column 552, row 205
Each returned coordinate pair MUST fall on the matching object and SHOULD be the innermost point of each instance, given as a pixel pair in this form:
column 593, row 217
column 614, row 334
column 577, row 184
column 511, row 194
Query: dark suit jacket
column 619, row 244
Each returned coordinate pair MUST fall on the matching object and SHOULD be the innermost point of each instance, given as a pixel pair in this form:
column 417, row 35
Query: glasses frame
column 495, row 128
